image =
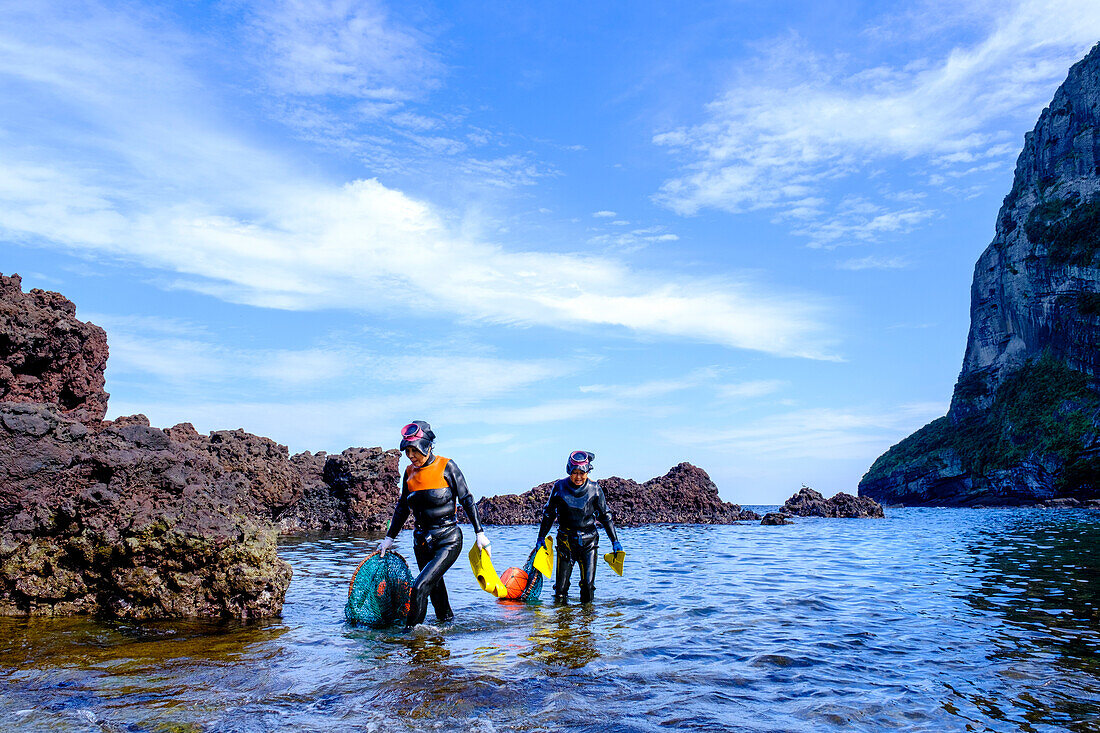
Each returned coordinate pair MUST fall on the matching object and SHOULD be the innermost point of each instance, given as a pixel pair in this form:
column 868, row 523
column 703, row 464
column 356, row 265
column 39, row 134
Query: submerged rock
column 810, row 503
column 772, row 519
column 684, row 495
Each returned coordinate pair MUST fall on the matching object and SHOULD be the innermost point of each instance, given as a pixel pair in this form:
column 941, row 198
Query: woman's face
column 578, row 477
column 415, row 457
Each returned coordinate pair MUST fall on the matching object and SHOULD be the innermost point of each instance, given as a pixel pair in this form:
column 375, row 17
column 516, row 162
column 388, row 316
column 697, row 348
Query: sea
column 927, row 620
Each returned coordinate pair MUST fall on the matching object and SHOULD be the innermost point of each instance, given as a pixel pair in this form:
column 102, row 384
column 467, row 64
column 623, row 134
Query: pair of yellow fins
column 487, row 577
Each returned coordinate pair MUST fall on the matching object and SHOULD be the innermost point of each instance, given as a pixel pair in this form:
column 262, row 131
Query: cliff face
column 1024, row 421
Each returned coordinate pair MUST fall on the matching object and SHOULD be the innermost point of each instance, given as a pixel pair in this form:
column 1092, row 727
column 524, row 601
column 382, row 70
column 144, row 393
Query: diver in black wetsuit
column 576, row 503
column 429, row 489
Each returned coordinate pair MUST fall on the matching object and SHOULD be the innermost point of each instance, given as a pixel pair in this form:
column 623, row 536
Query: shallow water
column 929, row 620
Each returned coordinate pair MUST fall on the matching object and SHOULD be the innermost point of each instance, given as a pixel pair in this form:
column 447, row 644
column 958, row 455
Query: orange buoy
column 515, row 580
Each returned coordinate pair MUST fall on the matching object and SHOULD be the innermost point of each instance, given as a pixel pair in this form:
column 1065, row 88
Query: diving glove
column 617, row 546
column 483, row 542
column 385, row 544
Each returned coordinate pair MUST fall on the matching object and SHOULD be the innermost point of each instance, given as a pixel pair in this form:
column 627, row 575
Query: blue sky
column 737, row 234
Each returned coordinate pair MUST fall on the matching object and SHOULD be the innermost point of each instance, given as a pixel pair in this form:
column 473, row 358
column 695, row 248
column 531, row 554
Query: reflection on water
column 930, row 620
column 562, row 637
column 1043, row 579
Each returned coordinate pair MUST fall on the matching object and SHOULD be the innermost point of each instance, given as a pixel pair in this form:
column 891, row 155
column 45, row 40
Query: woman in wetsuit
column 576, row 503
column 430, row 488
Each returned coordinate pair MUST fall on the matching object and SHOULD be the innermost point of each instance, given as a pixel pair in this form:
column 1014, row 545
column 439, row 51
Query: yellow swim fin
column 615, row 560
column 544, row 558
column 486, row 574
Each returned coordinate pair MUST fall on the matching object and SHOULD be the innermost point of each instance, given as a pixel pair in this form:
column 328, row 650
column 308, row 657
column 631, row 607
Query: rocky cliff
column 684, row 495
column 1024, row 421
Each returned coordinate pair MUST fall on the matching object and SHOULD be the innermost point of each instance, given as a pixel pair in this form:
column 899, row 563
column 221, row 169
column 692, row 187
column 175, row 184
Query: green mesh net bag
column 379, row 592
column 533, row 588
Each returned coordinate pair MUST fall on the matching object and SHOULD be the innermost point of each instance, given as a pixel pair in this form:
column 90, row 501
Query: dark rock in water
column 123, row 521
column 1024, row 422
column 685, row 495
column 47, row 355
column 1063, row 503
column 354, row 491
column 774, row 519
column 809, row 503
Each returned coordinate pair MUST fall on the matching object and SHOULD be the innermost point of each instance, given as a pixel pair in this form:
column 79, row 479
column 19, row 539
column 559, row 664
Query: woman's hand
column 617, row 546
column 385, row 544
column 483, row 543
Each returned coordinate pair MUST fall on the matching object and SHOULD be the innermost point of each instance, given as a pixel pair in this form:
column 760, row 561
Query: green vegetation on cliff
column 1045, row 410
column 1069, row 229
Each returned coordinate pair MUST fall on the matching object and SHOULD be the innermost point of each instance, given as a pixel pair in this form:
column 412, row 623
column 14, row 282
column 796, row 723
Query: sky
column 739, row 234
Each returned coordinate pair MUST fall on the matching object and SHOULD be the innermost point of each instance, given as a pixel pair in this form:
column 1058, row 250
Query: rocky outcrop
column 354, row 491
column 684, row 495
column 47, row 355
column 775, row 519
column 274, row 484
column 1024, row 421
column 810, row 503
column 123, row 521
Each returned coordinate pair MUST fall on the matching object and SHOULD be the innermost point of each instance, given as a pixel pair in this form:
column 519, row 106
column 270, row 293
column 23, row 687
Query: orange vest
column 428, row 477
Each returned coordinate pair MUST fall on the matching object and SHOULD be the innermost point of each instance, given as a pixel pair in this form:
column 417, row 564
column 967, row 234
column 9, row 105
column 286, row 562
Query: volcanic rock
column 774, row 519
column 1024, row 421
column 354, row 491
column 810, row 503
column 273, row 483
column 47, row 355
column 124, row 521
column 685, row 495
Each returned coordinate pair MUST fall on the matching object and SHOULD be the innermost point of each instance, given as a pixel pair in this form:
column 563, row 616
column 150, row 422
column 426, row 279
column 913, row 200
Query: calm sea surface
column 929, row 620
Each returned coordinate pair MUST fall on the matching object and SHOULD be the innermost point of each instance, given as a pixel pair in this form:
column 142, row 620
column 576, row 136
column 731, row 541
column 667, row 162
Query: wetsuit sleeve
column 401, row 511
column 604, row 515
column 453, row 474
column 549, row 514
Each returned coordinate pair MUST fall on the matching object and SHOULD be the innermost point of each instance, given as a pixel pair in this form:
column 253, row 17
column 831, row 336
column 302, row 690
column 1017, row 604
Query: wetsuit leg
column 587, row 553
column 565, row 569
column 440, row 602
column 435, row 554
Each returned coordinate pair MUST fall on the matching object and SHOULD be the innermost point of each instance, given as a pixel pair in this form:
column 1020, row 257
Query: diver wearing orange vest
column 430, row 489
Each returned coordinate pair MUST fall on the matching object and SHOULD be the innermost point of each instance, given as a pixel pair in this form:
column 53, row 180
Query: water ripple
column 930, row 620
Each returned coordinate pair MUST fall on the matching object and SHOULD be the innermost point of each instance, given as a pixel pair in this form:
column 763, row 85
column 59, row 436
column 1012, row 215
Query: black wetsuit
column 437, row 540
column 576, row 508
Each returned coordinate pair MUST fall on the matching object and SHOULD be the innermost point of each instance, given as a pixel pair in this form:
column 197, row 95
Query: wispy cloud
column 874, row 262
column 633, row 240
column 797, row 121
column 345, row 48
column 186, row 359
column 821, row 433
column 149, row 172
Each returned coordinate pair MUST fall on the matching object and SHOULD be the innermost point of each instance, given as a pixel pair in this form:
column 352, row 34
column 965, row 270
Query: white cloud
column 797, row 121
column 604, row 214
column 874, row 262
column 347, row 48
column 156, row 176
column 751, row 389
column 820, row 433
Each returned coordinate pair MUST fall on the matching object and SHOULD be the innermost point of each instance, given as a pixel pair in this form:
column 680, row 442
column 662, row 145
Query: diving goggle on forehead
column 412, row 431
column 579, row 459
